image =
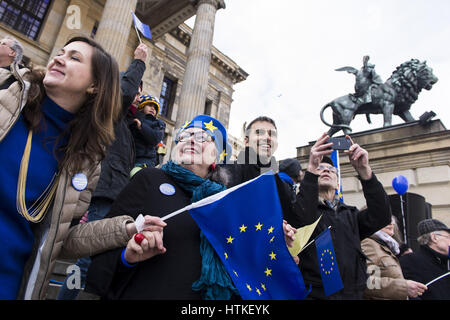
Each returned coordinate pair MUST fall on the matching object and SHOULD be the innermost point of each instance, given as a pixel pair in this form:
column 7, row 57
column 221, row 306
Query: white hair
column 17, row 47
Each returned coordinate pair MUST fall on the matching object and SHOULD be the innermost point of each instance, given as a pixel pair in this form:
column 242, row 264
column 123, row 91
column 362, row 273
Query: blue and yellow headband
column 216, row 130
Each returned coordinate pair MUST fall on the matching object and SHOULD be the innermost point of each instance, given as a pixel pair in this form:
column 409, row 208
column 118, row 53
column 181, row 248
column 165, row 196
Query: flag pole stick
column 310, row 243
column 137, row 32
column 438, row 278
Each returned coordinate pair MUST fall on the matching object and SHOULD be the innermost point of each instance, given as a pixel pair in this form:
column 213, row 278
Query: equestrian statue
column 372, row 96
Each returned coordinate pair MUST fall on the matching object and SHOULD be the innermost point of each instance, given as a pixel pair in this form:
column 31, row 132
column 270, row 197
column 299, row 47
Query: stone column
column 195, row 82
column 114, row 27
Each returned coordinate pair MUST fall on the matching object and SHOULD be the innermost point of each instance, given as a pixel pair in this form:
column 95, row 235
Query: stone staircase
column 57, row 279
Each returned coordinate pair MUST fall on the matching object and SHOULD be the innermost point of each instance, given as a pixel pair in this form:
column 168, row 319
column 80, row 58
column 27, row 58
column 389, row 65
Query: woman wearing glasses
column 184, row 266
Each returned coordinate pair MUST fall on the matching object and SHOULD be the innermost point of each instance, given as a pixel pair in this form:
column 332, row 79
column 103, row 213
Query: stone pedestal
column 195, row 82
column 114, row 27
column 421, row 153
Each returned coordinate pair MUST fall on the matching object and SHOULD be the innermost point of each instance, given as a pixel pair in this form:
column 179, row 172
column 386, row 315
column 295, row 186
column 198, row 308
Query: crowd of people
column 71, row 138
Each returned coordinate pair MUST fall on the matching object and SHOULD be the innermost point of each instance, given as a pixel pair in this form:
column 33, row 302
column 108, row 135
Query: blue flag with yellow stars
column 244, row 224
column 331, row 279
column 335, row 158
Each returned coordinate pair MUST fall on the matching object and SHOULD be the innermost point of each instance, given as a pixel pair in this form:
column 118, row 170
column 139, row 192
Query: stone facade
column 168, row 51
column 421, row 153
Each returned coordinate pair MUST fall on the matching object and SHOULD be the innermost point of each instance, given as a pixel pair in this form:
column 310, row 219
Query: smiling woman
column 54, row 127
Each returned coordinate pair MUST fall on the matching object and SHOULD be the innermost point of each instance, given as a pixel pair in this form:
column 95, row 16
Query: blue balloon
column 400, row 184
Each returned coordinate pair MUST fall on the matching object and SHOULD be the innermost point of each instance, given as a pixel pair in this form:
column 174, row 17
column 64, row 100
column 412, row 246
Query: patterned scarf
column 214, row 282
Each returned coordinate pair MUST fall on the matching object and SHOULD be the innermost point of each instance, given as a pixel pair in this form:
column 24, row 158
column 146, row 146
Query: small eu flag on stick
column 142, row 27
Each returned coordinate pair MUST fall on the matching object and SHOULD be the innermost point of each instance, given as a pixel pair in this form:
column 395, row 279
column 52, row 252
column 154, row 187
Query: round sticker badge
column 167, row 189
column 79, row 181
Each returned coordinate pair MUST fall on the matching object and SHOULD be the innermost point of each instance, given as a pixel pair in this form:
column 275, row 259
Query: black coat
column 425, row 265
column 120, row 155
column 247, row 167
column 167, row 276
column 147, row 138
column 348, row 227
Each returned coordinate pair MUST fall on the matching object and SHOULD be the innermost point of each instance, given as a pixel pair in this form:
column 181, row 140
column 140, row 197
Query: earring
column 213, row 166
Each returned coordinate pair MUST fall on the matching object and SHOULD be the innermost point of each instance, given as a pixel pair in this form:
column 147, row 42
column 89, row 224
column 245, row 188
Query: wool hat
column 216, row 130
column 148, row 99
column 291, row 167
column 430, row 225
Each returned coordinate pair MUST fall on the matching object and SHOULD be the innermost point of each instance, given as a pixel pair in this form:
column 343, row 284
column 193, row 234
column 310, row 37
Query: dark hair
column 92, row 129
column 259, row 119
column 328, row 160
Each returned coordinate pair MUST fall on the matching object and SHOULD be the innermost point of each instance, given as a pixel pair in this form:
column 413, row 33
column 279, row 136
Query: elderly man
column 317, row 197
column 10, row 51
column 431, row 260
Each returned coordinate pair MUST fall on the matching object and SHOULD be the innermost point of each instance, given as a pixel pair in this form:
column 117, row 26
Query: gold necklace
column 39, row 208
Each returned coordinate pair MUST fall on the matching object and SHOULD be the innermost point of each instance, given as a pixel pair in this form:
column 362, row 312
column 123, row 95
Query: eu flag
column 331, row 279
column 142, row 27
column 244, row 225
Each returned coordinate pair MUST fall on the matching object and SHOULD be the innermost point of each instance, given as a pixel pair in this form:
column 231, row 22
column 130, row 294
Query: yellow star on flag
column 268, row 272
column 243, row 228
column 248, row 287
column 270, row 230
column 230, row 239
column 236, row 274
column 263, row 286
column 258, row 226
column 272, row 256
column 226, row 255
column 210, row 126
column 271, row 239
column 259, row 292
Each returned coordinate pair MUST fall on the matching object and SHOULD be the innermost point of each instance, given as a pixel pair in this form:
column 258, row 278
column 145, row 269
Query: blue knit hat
column 216, row 130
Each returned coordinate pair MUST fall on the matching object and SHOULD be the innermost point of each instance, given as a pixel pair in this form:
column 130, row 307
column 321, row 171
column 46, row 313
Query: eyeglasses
column 329, row 168
column 442, row 235
column 199, row 136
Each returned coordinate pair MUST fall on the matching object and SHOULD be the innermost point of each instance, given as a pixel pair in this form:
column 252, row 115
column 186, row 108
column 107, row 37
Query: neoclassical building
column 184, row 70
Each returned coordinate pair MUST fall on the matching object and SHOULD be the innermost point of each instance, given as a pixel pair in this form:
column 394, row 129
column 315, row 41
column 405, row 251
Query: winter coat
column 147, row 138
column 425, row 265
column 386, row 280
column 120, row 156
column 54, row 235
column 162, row 277
column 348, row 227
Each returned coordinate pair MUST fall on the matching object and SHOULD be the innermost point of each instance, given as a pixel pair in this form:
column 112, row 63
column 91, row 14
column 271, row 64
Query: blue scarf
column 214, row 282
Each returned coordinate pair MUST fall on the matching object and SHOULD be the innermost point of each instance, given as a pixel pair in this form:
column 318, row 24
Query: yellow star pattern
column 272, row 256
column 210, row 126
column 230, row 239
column 185, row 124
column 248, row 287
column 222, row 156
column 263, row 286
column 226, row 255
column 243, row 228
column 259, row 292
column 268, row 272
column 271, row 239
column 235, row 273
column 270, row 230
column 258, row 226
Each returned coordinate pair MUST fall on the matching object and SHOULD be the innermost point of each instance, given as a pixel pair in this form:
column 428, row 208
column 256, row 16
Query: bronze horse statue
column 394, row 96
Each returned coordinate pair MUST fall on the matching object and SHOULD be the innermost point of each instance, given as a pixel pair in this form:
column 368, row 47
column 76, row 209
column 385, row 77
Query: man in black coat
column 120, row 157
column 317, row 197
column 431, row 260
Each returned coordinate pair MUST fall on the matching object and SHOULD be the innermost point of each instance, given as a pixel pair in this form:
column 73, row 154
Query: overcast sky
column 290, row 49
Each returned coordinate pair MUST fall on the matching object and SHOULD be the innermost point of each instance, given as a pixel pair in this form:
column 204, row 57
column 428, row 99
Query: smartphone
column 340, row 143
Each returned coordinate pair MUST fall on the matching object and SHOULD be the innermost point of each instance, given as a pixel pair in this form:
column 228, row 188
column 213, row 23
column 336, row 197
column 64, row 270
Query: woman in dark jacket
column 180, row 272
